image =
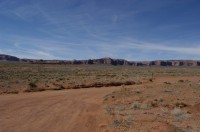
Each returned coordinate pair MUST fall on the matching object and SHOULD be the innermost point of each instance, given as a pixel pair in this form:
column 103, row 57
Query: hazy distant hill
column 8, row 58
column 105, row 61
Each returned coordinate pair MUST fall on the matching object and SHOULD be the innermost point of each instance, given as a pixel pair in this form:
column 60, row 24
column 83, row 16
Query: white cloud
column 132, row 44
column 160, row 47
column 30, row 54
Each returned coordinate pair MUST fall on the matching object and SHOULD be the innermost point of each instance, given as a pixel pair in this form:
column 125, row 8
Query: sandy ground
column 154, row 106
column 54, row 111
column 83, row 110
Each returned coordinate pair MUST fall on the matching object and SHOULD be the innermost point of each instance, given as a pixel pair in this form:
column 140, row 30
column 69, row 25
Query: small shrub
column 61, row 87
column 181, row 81
column 137, row 91
column 161, row 100
column 32, row 85
column 115, row 83
column 151, row 80
column 136, row 105
column 145, row 106
column 33, row 88
column 122, row 124
column 129, row 83
column 154, row 104
column 117, row 123
column 178, row 112
column 167, row 83
column 109, row 110
column 119, row 108
column 181, row 104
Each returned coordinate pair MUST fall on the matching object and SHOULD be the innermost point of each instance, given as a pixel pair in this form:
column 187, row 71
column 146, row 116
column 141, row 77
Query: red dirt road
column 54, row 111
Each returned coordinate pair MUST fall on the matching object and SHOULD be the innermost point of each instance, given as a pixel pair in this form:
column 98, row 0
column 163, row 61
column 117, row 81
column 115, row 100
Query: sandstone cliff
column 106, row 61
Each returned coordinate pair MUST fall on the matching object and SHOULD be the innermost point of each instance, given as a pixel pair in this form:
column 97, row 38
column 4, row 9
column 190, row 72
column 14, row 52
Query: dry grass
column 51, row 77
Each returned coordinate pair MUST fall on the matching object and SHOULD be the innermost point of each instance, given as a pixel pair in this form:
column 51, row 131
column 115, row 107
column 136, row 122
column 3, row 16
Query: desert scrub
column 167, row 83
column 135, row 105
column 33, row 88
column 179, row 113
column 32, row 85
column 181, row 104
column 154, row 104
column 122, row 124
column 109, row 110
column 137, row 91
column 60, row 87
column 151, row 80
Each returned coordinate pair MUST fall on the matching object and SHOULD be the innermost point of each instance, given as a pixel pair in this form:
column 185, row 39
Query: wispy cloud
column 132, row 44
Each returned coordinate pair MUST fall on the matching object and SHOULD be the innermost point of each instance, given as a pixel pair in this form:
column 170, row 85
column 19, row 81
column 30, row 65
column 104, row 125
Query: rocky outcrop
column 105, row 61
column 115, row 62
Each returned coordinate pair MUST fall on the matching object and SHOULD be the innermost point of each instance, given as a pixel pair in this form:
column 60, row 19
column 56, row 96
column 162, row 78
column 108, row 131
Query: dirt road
column 54, row 111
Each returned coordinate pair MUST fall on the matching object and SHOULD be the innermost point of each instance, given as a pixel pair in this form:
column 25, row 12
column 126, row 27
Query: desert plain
column 98, row 98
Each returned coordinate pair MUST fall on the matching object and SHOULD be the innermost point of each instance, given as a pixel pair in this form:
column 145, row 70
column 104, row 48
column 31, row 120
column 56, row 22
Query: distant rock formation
column 105, row 61
column 8, row 58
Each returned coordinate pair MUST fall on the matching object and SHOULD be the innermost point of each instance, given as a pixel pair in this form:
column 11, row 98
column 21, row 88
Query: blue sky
column 83, row 29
